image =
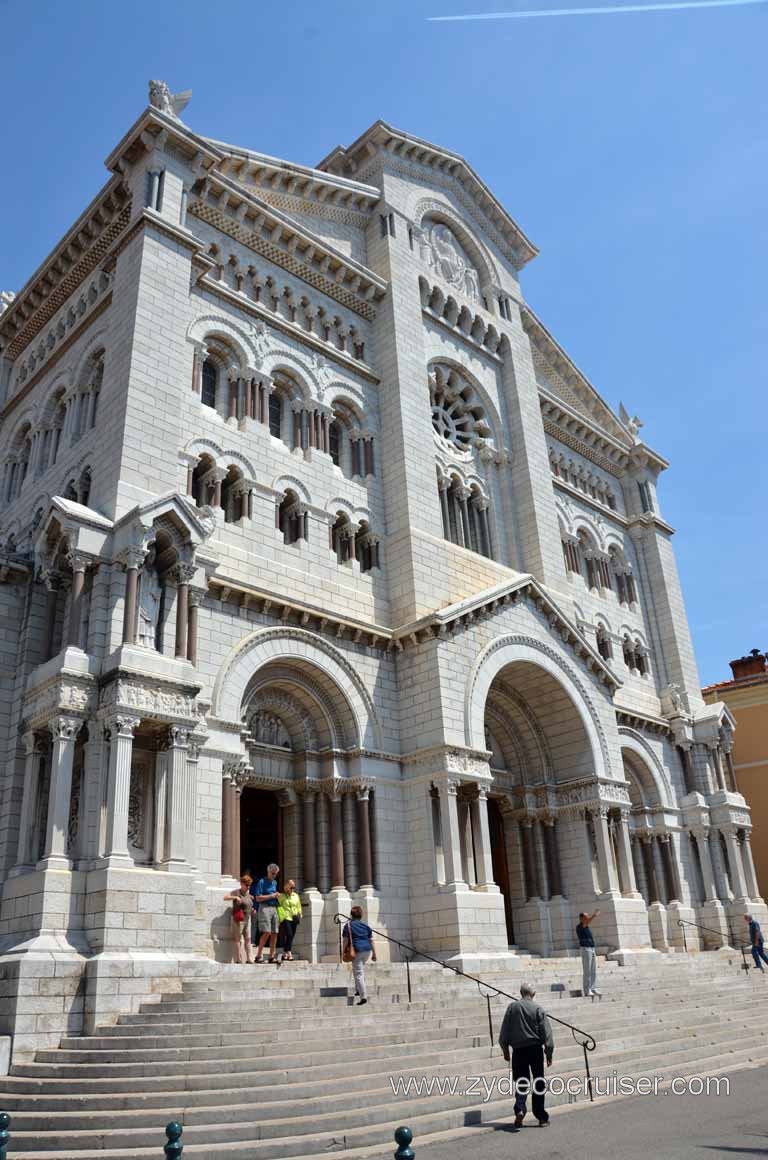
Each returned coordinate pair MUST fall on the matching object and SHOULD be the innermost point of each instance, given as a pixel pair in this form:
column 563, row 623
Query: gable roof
column 380, row 135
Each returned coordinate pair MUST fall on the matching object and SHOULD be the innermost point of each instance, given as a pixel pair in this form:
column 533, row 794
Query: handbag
column 348, row 950
column 238, row 914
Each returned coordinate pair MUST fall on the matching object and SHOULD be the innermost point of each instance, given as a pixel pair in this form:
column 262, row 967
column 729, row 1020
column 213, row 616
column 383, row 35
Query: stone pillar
column 442, row 486
column 34, row 752
column 180, row 575
column 310, row 841
column 179, row 794
column 722, row 883
column 75, row 624
column 738, row 881
column 671, row 877
column 449, row 817
column 649, row 866
column 482, row 839
column 689, row 779
column 195, row 599
column 53, row 585
column 626, row 867
column 161, row 806
column 467, row 845
column 133, row 561
column 749, row 869
column 540, row 854
column 705, row 861
column 64, row 731
column 734, row 785
column 533, row 890
column 193, row 761
column 121, row 729
column 337, row 842
column 552, row 853
column 350, row 842
column 718, row 767
column 365, row 861
column 637, row 859
column 608, row 877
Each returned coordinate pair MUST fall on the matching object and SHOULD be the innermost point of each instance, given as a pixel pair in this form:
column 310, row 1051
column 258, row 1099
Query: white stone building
column 317, row 547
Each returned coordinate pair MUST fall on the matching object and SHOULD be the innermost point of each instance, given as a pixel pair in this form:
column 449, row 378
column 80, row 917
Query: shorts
column 266, row 920
column 241, row 929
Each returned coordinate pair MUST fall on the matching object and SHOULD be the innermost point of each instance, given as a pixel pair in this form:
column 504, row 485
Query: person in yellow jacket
column 289, row 917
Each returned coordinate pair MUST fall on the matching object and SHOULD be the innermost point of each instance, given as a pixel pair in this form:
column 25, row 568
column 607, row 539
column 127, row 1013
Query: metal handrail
column 586, row 1043
column 684, row 922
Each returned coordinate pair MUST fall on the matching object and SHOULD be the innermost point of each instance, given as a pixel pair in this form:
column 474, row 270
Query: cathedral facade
column 317, row 548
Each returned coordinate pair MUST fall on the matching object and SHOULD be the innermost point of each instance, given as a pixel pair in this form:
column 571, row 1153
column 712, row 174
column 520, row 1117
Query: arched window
column 291, row 519
column 209, row 383
column 233, row 495
column 275, row 414
column 572, row 555
column 84, row 487
column 200, row 485
column 70, row 492
column 343, row 538
column 366, row 548
column 604, row 646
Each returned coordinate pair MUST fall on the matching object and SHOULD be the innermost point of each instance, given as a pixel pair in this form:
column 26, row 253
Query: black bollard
column 174, row 1147
column 5, row 1135
column 403, row 1137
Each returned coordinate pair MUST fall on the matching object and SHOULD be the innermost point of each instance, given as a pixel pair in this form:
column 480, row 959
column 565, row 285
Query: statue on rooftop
column 161, row 97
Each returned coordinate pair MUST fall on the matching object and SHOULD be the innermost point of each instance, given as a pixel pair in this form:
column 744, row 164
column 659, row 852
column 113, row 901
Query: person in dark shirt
column 265, row 897
column 527, row 1031
column 588, row 957
column 359, row 935
column 757, row 942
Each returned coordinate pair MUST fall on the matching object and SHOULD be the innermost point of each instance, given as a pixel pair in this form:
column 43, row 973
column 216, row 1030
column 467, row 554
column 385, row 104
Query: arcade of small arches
column 66, row 416
column 579, row 477
column 284, row 405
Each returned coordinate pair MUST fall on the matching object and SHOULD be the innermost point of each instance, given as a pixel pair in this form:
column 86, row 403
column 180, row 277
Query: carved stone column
column 646, row 845
column 121, row 729
column 705, row 861
column 714, row 752
column 34, row 753
column 449, row 815
column 134, row 559
column 180, row 575
column 179, row 792
column 364, row 858
column 671, row 876
column 552, row 853
column 64, row 731
column 53, row 584
column 738, row 881
column 337, row 842
column 533, row 889
column 689, row 779
column 75, row 624
column 482, row 840
column 608, row 877
column 351, row 842
column 195, row 599
column 734, row 785
column 626, row 867
column 749, row 869
column 637, row 859
column 310, row 840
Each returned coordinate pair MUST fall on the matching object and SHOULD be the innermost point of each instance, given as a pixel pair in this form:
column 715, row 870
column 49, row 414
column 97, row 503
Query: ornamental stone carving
column 151, row 701
column 439, row 249
column 172, row 104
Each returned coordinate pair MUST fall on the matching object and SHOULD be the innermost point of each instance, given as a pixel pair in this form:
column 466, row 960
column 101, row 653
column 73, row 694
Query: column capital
column 65, row 728
column 197, row 596
column 122, row 725
column 363, row 793
column 181, row 573
column 134, row 557
column 33, row 743
column 79, row 561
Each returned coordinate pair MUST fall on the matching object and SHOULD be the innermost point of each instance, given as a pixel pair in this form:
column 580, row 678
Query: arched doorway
column 261, row 839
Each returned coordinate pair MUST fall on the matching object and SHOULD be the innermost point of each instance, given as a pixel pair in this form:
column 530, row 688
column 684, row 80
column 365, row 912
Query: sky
column 632, row 150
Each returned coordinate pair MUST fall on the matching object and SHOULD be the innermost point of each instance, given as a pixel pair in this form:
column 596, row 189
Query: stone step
column 321, row 1133
column 327, row 1093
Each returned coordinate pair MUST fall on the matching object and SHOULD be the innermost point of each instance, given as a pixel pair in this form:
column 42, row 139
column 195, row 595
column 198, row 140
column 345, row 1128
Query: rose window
column 457, row 415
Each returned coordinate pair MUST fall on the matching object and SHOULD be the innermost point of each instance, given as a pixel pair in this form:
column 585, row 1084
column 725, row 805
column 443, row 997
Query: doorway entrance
column 499, row 862
column 261, row 838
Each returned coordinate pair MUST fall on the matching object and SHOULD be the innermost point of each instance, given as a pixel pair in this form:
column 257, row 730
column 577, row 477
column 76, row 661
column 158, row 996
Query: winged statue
column 161, row 97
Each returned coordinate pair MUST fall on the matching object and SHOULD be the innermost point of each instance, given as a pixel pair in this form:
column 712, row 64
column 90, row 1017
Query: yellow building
column 747, row 698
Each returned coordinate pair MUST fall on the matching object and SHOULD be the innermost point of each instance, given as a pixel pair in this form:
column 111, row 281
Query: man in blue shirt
column 588, row 957
column 756, row 939
column 265, row 903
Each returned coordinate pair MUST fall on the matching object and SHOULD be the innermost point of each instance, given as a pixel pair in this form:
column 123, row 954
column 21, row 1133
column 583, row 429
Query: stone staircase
column 264, row 1061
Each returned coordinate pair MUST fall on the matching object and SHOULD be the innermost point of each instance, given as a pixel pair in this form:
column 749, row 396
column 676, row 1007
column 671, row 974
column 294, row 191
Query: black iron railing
column 684, row 922
column 585, row 1041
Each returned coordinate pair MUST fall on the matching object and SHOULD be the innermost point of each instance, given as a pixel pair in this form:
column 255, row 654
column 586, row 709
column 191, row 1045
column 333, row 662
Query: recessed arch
column 306, row 653
column 649, row 774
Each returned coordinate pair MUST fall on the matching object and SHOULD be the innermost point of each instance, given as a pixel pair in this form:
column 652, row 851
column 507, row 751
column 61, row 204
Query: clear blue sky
column 632, row 149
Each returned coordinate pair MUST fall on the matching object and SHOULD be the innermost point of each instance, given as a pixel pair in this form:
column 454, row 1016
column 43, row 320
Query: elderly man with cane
column 527, row 1032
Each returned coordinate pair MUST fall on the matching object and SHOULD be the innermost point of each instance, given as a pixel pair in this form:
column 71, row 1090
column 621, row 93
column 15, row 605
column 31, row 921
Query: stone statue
column 443, row 254
column 674, row 701
column 173, row 104
column 150, row 592
column 6, row 299
column 632, row 424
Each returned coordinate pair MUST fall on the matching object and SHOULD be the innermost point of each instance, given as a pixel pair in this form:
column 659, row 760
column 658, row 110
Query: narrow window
column 334, row 442
column 275, row 415
column 210, row 377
